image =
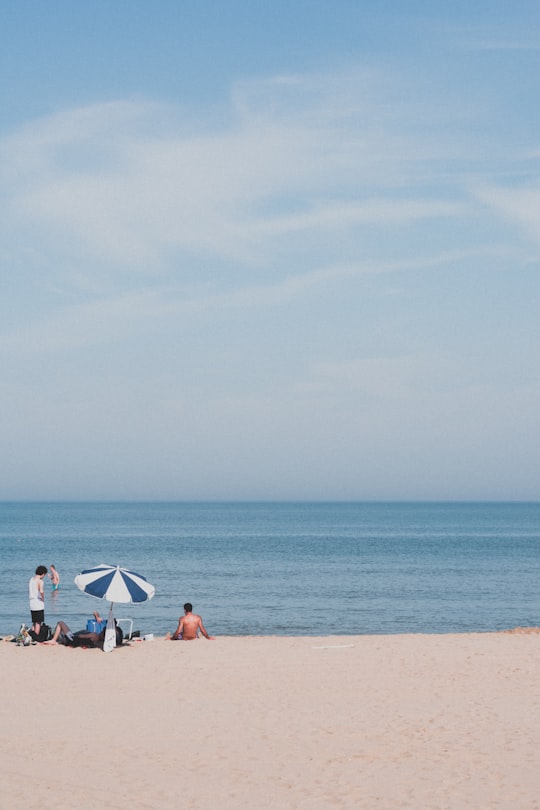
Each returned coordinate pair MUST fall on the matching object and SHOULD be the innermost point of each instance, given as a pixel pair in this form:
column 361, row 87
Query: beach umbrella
column 114, row 584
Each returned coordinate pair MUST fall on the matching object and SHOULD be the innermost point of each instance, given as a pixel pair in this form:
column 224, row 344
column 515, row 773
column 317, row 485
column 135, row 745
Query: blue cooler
column 92, row 626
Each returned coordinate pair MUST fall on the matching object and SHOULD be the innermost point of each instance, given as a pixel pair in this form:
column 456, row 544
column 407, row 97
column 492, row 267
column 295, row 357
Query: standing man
column 189, row 625
column 37, row 598
column 55, row 578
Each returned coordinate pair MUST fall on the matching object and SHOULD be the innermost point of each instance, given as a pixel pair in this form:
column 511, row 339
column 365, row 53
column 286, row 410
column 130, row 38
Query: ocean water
column 284, row 568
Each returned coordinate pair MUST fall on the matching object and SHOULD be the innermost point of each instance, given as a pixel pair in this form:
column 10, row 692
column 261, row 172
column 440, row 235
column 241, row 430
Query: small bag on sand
column 23, row 638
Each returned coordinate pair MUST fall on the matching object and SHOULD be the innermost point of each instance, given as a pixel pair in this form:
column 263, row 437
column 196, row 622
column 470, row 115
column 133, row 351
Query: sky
column 269, row 251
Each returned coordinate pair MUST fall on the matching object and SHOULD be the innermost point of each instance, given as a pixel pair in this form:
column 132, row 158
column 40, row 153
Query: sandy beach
column 411, row 721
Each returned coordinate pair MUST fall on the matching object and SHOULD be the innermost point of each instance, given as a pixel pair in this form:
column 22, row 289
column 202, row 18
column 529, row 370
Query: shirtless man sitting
column 189, row 626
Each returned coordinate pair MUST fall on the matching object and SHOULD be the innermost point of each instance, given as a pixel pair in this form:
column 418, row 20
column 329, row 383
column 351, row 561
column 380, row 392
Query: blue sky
column 269, row 251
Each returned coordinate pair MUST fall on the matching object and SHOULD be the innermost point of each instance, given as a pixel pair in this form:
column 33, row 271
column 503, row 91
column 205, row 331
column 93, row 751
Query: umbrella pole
column 110, row 632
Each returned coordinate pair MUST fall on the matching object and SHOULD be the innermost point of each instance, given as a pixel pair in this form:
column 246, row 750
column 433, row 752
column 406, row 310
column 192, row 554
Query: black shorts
column 38, row 616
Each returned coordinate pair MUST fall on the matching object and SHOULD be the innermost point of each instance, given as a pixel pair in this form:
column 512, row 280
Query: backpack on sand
column 45, row 633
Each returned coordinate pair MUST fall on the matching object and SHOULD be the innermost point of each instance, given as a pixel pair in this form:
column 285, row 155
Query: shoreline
column 519, row 630
column 398, row 721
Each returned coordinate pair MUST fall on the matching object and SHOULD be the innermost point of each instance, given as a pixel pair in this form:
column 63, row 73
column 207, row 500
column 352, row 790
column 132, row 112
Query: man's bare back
column 189, row 626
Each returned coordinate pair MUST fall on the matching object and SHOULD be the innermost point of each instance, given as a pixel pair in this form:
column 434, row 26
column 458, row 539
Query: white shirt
column 35, row 595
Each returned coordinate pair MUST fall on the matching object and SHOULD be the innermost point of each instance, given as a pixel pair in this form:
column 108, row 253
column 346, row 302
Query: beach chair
column 130, row 632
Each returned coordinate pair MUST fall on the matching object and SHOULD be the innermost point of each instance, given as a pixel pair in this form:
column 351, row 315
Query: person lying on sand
column 189, row 626
column 81, row 638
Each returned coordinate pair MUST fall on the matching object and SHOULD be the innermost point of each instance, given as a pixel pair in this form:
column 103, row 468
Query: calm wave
column 285, row 568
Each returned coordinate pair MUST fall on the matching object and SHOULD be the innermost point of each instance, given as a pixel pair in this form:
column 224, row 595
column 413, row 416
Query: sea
column 293, row 569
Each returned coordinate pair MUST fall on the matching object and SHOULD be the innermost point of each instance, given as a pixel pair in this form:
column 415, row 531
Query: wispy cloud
column 135, row 185
column 143, row 211
column 516, row 206
column 117, row 318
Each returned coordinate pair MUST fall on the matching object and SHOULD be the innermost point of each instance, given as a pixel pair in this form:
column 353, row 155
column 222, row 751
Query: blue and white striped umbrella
column 115, row 584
